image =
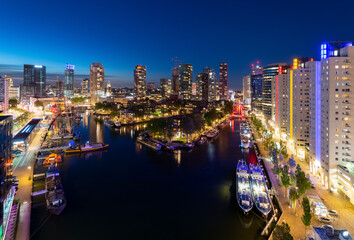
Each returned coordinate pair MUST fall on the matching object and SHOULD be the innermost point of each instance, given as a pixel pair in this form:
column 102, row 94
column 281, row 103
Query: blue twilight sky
column 122, row 34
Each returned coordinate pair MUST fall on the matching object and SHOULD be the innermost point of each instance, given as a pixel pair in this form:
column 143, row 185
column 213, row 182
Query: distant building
column 7, row 190
column 150, row 86
column 96, row 81
column 108, row 89
column 166, row 87
column 34, row 81
column 69, row 81
column 185, row 74
column 14, row 92
column 212, row 86
column 59, row 88
column 175, row 81
column 4, row 95
column 85, row 86
column 194, row 90
column 202, row 87
column 140, row 82
column 10, row 80
column 223, row 75
column 247, row 90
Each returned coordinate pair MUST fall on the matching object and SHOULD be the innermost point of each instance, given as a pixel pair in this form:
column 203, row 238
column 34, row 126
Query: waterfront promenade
column 332, row 200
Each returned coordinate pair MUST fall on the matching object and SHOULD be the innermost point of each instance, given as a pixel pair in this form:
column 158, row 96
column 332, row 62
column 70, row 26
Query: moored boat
column 149, row 143
column 88, row 147
column 243, row 194
column 55, row 196
column 260, row 195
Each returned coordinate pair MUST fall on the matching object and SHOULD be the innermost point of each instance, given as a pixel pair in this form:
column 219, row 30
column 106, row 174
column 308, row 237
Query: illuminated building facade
column 269, row 72
column 140, row 82
column 223, row 76
column 256, row 86
column 7, row 190
column 96, row 81
column 212, row 86
column 202, row 87
column 85, row 86
column 166, row 87
column 337, row 137
column 175, row 81
column 69, row 81
column 247, row 90
column 185, row 75
column 281, row 89
column 108, row 89
column 34, row 81
column 4, row 95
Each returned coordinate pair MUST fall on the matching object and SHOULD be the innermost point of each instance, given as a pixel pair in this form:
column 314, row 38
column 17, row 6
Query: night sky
column 122, row 34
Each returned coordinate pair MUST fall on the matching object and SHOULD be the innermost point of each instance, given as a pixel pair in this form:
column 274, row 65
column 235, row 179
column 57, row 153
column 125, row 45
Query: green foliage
column 282, row 232
column 228, row 107
column 158, row 126
column 285, row 177
column 302, row 182
column 293, row 196
column 306, row 217
column 38, row 103
column 139, row 111
column 211, row 116
column 78, row 100
column 13, row 102
column 198, row 121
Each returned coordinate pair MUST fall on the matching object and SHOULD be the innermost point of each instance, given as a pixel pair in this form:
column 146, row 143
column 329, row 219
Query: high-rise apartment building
column 34, row 81
column 280, row 91
column 96, row 81
column 223, row 76
column 212, row 84
column 185, row 74
column 247, row 90
column 85, row 85
column 140, row 82
column 10, row 80
column 166, row 87
column 337, row 137
column 269, row 72
column 4, row 95
column 69, row 81
column 108, row 89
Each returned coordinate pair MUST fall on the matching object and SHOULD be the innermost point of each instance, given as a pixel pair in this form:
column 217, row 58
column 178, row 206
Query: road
column 23, row 170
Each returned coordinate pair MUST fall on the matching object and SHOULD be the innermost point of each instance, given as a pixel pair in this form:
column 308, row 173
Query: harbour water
column 132, row 192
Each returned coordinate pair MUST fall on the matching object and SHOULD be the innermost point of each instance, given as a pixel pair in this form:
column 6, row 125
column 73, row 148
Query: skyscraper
column 202, row 87
column 212, row 87
column 140, row 82
column 4, row 94
column 223, row 74
column 34, row 81
column 96, row 81
column 247, row 90
column 69, row 81
column 337, row 137
column 10, row 80
column 185, row 74
column 150, row 86
column 175, row 81
column 166, row 87
column 108, row 89
column 256, row 86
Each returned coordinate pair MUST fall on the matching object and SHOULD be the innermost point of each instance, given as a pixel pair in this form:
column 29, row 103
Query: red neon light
column 277, row 98
column 280, row 69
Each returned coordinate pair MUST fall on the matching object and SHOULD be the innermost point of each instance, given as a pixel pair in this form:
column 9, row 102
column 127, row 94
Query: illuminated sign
column 38, row 66
column 68, row 66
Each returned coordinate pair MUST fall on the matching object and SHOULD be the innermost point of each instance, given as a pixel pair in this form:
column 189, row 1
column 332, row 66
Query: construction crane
column 176, row 60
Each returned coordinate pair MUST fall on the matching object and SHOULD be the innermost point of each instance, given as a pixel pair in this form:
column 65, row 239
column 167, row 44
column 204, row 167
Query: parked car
column 333, row 213
column 324, row 219
column 313, row 185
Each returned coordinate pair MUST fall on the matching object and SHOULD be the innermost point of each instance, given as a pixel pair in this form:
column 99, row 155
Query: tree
column 302, row 182
column 13, row 102
column 282, row 232
column 157, row 126
column 293, row 196
column 228, row 107
column 306, row 217
column 39, row 104
column 187, row 126
column 292, row 162
column 285, row 178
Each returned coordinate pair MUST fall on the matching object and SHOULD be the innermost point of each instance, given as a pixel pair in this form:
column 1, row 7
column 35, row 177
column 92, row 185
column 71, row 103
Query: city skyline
column 68, row 39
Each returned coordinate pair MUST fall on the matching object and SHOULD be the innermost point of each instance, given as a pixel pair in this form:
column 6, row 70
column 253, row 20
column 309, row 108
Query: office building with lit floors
column 280, row 99
column 337, row 136
column 223, row 84
column 7, row 190
column 269, row 72
column 256, row 87
column 69, row 81
column 202, row 87
column 139, row 82
column 96, row 81
column 212, row 86
column 166, row 87
column 185, row 75
column 4, row 95
column 34, row 81
column 247, row 91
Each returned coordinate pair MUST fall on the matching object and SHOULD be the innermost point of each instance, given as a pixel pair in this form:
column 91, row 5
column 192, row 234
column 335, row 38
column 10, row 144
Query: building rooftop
column 4, row 117
column 22, row 135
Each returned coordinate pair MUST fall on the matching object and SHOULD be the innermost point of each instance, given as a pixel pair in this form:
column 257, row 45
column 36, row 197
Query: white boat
column 243, row 192
column 260, row 195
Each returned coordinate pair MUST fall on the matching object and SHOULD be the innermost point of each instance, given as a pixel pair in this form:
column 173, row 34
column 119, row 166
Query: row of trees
column 108, row 106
